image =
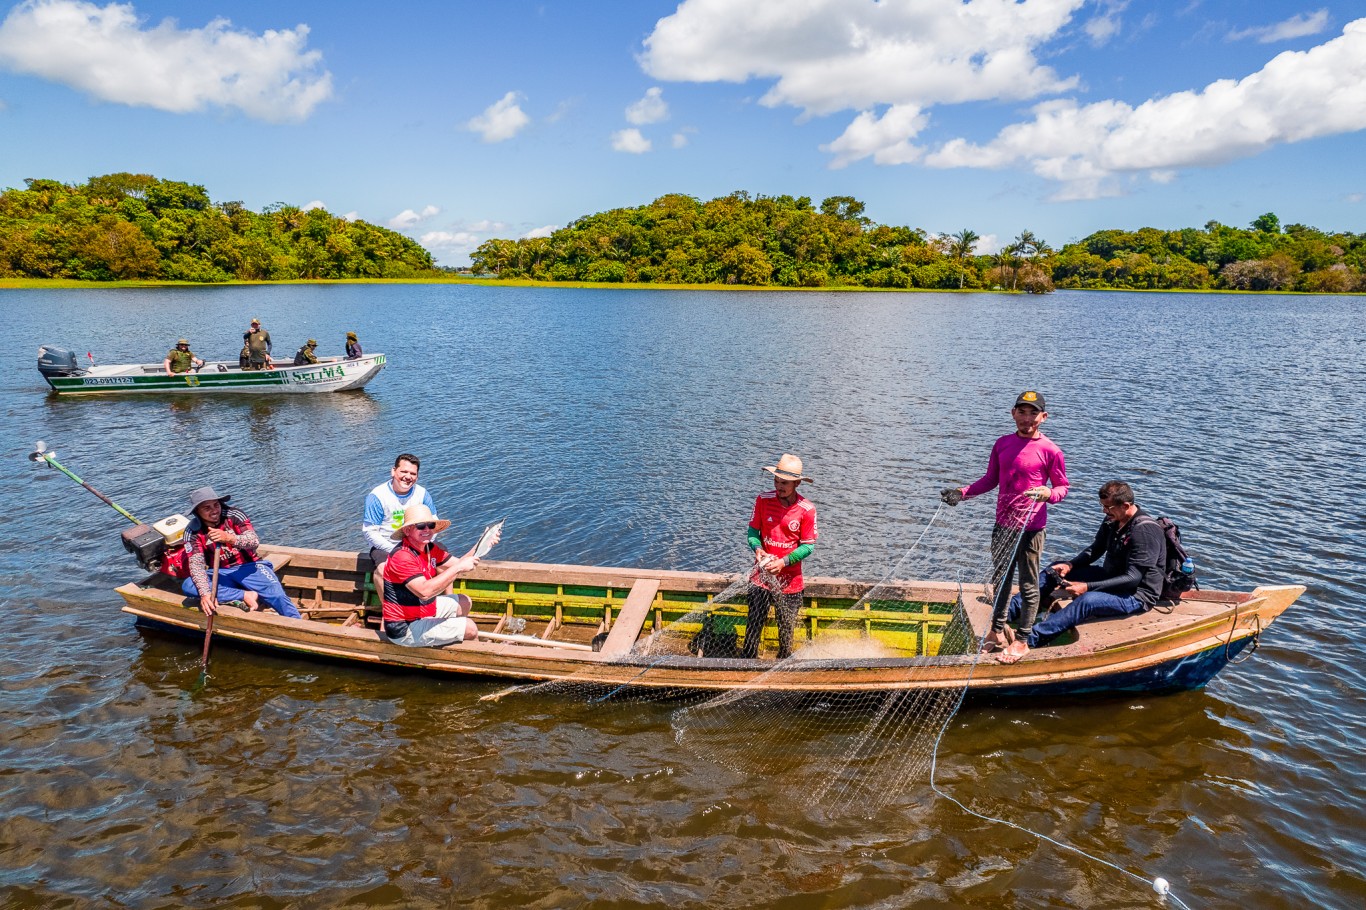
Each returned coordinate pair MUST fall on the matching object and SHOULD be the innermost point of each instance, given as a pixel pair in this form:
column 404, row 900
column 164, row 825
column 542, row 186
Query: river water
column 628, row 428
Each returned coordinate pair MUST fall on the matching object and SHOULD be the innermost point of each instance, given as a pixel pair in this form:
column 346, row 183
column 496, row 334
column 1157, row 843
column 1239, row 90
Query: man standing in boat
column 1132, row 547
column 385, row 507
column 257, row 342
column 1022, row 465
column 418, row 611
column 180, row 359
column 782, row 532
column 219, row 528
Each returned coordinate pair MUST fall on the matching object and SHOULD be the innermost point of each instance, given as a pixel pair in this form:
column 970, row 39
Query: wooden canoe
column 566, row 606
column 329, row 374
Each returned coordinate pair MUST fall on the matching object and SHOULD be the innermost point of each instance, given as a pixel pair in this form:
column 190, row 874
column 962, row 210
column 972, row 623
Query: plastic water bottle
column 1187, row 566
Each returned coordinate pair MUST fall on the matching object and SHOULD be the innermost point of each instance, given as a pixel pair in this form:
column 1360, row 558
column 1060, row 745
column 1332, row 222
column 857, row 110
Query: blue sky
column 456, row 122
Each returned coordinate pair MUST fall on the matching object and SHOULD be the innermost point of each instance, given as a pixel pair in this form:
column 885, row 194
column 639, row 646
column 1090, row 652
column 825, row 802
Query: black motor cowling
column 56, row 361
column 146, row 544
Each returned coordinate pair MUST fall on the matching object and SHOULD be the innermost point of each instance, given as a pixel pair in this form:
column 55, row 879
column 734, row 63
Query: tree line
column 787, row 241
column 135, row 226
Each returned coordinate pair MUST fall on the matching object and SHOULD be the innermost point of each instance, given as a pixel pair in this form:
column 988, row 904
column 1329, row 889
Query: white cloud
column 351, row 216
column 650, row 109
column 682, row 137
column 315, row 204
column 1106, row 23
column 408, row 218
column 1355, row 197
column 544, row 231
column 501, row 120
column 831, row 55
column 486, row 225
column 987, row 245
column 1088, row 149
column 630, row 140
column 450, row 241
column 1295, row 27
column 109, row 53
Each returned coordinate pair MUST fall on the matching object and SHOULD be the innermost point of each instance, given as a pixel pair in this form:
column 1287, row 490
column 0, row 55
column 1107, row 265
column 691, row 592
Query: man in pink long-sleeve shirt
column 1023, row 464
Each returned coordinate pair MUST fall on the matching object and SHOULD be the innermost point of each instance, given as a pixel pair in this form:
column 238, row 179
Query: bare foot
column 252, row 600
column 1014, row 652
column 995, row 641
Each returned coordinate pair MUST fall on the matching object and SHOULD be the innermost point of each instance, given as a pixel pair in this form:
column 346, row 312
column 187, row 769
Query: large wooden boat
column 329, row 374
column 561, row 609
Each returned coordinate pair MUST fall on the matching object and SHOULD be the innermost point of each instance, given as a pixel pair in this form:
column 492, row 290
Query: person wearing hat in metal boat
column 353, row 348
column 256, row 342
column 782, row 533
column 180, row 359
column 305, row 354
column 419, row 611
column 1022, row 466
column 226, row 530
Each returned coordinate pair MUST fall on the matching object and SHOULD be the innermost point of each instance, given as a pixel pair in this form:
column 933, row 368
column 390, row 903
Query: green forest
column 135, row 226
column 789, row 242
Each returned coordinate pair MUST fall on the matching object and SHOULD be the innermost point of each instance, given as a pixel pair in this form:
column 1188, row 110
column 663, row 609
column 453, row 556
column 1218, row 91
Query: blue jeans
column 1089, row 606
column 250, row 576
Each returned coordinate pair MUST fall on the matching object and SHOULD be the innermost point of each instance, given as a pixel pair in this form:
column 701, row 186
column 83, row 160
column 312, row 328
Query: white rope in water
column 1159, row 885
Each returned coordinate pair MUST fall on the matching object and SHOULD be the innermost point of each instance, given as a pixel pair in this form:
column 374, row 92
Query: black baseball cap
column 1032, row 398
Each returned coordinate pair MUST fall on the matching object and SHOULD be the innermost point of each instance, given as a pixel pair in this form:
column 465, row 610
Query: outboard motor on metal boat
column 54, row 361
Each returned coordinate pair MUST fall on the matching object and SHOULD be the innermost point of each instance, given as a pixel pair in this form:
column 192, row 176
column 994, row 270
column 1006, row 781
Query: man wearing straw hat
column 353, row 348
column 782, row 532
column 224, row 531
column 418, row 613
column 180, row 359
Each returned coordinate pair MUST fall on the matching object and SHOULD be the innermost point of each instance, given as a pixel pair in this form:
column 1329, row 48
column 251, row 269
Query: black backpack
column 1178, row 567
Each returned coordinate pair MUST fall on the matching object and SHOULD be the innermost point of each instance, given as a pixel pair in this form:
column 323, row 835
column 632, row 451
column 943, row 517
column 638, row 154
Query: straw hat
column 416, row 514
column 256, row 321
column 181, row 341
column 351, row 335
column 789, row 467
column 204, row 494
column 311, row 343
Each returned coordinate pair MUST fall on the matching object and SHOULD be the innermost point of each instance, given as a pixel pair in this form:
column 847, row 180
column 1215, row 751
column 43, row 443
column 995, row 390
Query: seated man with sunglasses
column 418, row 610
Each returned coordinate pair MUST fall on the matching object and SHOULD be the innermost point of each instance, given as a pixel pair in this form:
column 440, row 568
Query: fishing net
column 852, row 717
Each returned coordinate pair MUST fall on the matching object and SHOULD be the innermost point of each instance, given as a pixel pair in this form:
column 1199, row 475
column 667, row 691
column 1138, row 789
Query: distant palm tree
column 961, row 248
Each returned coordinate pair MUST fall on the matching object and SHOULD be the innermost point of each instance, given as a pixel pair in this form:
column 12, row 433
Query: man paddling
column 418, row 611
column 782, row 532
column 218, row 527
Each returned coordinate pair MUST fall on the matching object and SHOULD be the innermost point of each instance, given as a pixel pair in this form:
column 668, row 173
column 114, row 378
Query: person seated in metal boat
column 305, row 355
column 1131, row 548
column 385, row 506
column 419, row 610
column 353, row 348
column 256, row 340
column 782, row 533
column 180, row 359
column 217, row 528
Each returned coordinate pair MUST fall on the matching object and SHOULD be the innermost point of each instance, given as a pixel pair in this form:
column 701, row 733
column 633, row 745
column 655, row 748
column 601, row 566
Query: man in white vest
column 385, row 505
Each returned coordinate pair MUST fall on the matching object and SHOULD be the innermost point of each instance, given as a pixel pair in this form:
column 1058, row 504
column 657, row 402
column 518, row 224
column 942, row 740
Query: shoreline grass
column 76, row 284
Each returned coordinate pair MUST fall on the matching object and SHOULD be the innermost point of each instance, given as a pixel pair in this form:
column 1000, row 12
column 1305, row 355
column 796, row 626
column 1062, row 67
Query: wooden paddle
column 208, row 629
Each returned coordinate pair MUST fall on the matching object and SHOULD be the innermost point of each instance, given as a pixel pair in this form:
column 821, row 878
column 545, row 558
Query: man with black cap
column 180, row 359
column 222, row 529
column 1022, row 465
column 256, row 341
column 782, row 532
column 305, row 354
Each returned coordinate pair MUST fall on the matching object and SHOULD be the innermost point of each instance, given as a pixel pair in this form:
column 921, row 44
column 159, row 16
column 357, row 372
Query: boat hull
column 1158, row 652
column 329, row 375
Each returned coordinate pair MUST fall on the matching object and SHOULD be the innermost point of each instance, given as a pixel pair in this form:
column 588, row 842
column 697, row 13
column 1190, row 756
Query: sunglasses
column 423, row 526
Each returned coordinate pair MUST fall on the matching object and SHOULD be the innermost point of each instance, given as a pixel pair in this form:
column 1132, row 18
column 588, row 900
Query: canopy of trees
column 135, row 226
column 787, row 241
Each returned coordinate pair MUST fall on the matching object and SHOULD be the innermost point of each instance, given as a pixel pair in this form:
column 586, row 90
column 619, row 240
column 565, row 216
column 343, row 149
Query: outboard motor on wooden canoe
column 152, row 545
column 54, row 361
